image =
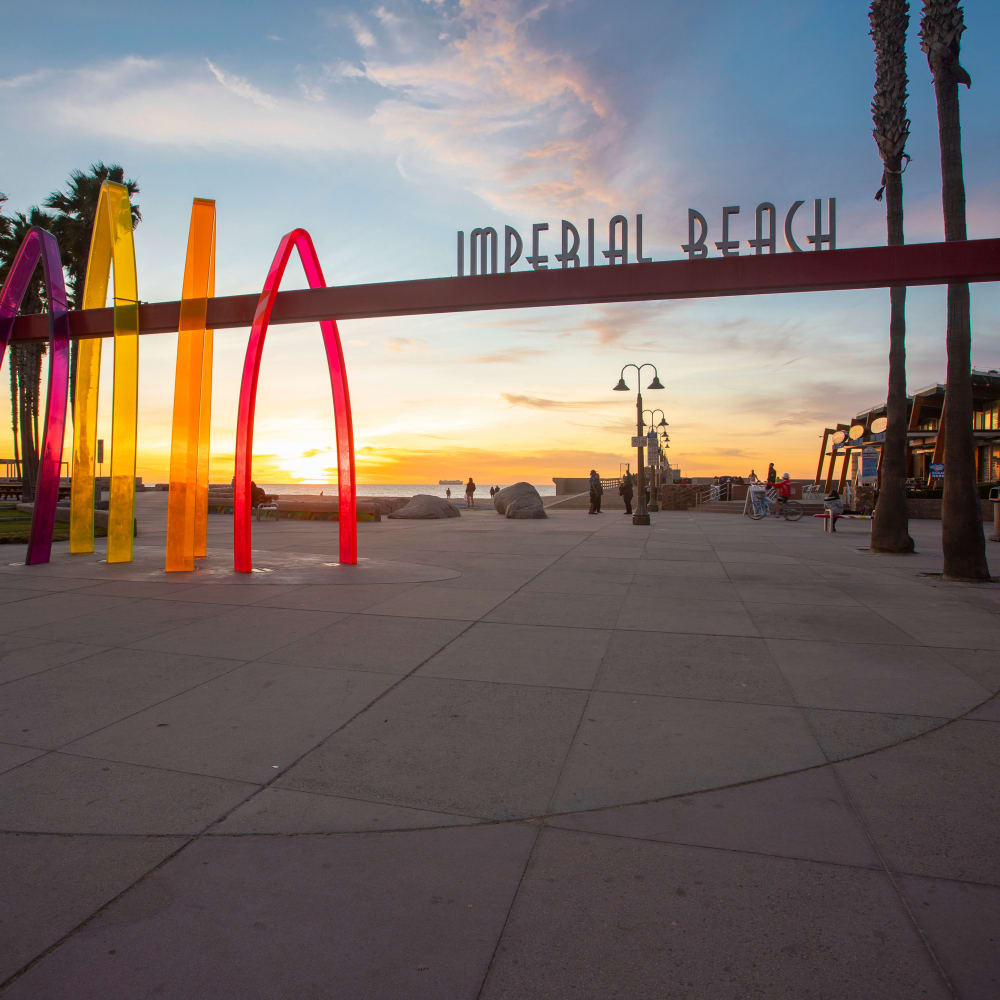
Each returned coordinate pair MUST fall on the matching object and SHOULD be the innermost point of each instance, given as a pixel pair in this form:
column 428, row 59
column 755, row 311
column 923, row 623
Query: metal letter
column 770, row 241
column 461, row 254
column 590, row 242
column 726, row 245
column 538, row 261
column 37, row 244
column 487, row 240
column 614, row 253
column 818, row 238
column 569, row 253
column 789, row 238
column 299, row 240
column 696, row 247
column 638, row 243
column 512, row 247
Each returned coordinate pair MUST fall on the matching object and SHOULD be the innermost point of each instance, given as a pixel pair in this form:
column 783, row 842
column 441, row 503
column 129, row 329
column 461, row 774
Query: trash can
column 995, row 497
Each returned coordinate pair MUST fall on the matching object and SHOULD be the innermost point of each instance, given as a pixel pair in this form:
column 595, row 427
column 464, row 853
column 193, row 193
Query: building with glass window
column 926, row 446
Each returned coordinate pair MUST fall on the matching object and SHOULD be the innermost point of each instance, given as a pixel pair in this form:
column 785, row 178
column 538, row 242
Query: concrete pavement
column 573, row 757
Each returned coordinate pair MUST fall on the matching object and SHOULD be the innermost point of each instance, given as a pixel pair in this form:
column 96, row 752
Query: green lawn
column 15, row 526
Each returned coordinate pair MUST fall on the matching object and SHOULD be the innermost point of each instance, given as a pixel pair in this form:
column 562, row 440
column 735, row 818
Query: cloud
column 511, row 355
column 523, row 125
column 190, row 104
column 402, row 345
column 242, row 87
column 362, row 34
column 541, row 403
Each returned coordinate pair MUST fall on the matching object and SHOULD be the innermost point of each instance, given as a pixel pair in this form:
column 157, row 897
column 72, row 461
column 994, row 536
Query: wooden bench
column 829, row 520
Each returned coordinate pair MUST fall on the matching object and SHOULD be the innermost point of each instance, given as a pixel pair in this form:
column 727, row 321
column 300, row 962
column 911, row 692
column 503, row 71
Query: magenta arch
column 299, row 240
column 39, row 244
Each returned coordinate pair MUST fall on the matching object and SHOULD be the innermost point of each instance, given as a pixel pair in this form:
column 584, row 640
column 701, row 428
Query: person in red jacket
column 784, row 490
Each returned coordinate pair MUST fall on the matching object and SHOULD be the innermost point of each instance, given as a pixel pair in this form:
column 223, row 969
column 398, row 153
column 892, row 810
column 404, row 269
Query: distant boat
column 449, row 482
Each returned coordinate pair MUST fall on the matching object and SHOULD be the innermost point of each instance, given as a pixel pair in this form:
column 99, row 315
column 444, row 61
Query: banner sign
column 937, row 470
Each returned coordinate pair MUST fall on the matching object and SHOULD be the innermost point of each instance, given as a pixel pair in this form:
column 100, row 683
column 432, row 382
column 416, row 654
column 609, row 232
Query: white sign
column 639, row 442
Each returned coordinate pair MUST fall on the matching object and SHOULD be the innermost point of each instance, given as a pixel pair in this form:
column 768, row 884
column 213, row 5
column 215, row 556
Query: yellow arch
column 112, row 251
column 187, row 503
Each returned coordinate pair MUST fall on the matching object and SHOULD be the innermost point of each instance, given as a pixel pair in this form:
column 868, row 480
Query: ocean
column 395, row 489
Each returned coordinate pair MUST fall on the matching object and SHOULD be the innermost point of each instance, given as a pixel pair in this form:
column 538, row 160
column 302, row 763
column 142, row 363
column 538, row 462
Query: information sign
column 869, row 465
column 937, row 470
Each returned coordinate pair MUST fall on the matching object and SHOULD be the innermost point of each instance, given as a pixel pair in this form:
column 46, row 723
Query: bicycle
column 761, row 506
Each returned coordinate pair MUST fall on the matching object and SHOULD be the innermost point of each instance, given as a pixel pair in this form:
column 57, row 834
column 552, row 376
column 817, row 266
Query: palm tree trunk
column 12, row 361
column 890, row 528
column 962, row 536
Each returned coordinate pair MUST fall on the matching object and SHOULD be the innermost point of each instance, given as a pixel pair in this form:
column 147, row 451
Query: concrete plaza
column 711, row 758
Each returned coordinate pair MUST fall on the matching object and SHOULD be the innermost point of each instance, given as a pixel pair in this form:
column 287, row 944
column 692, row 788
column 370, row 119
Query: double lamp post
column 641, row 515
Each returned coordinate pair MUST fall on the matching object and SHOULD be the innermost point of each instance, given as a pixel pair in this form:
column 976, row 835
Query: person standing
column 595, row 492
column 626, row 491
column 470, row 489
column 772, row 474
column 447, row 493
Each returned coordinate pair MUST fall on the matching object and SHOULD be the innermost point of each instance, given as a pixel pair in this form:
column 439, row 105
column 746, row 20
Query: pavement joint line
column 56, row 666
column 874, row 868
column 870, row 837
column 510, row 909
column 894, row 882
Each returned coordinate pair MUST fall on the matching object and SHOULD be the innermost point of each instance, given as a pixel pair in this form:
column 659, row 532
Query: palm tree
column 25, row 359
column 72, row 226
column 962, row 536
column 5, row 224
column 889, row 20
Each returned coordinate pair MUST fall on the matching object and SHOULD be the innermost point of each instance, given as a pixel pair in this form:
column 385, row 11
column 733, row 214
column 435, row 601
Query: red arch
column 300, row 240
column 38, row 243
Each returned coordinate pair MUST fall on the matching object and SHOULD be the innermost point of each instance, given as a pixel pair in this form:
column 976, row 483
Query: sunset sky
column 383, row 128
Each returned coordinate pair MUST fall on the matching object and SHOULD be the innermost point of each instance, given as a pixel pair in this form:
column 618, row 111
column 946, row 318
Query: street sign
column 937, row 470
column 869, row 465
column 639, row 442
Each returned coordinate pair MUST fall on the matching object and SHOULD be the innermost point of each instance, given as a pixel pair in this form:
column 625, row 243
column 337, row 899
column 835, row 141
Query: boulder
column 425, row 507
column 519, row 501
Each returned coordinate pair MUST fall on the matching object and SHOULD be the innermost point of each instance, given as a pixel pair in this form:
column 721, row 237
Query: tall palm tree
column 5, row 224
column 72, row 226
column 962, row 538
column 25, row 359
column 889, row 20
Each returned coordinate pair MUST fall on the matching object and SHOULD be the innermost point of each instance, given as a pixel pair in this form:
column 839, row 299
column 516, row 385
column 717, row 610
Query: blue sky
column 385, row 127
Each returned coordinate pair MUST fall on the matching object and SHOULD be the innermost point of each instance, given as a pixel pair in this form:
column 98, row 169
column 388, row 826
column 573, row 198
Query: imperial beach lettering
column 765, row 230
column 487, row 251
column 484, row 246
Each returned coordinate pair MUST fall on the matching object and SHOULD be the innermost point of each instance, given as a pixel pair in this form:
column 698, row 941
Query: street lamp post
column 654, row 460
column 641, row 516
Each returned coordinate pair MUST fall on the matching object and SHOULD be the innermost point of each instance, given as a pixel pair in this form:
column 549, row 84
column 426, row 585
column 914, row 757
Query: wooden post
column 822, row 454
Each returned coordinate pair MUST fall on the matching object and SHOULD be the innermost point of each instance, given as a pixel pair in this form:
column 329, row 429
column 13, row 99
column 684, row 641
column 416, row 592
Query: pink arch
column 40, row 244
column 300, row 240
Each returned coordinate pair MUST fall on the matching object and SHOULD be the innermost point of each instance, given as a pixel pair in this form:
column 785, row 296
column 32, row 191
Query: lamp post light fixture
column 641, row 516
column 653, row 458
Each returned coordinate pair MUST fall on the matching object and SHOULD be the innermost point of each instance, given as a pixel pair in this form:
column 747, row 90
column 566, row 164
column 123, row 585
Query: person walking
column 470, row 489
column 595, row 492
column 626, row 491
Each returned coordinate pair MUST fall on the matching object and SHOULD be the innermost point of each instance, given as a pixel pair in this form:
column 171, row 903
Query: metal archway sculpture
column 298, row 240
column 187, row 502
column 112, row 252
column 39, row 244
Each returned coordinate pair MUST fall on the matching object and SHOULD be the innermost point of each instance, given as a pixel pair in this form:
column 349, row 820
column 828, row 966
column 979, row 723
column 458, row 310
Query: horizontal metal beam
column 811, row 271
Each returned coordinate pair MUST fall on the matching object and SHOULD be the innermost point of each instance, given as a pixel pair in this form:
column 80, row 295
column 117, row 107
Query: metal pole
column 640, row 516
